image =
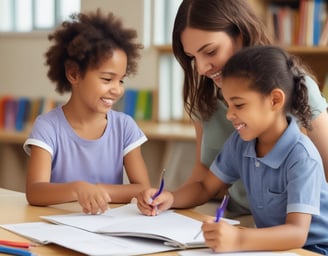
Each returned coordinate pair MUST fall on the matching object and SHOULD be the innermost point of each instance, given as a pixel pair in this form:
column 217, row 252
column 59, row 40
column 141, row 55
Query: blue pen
column 15, row 251
column 219, row 211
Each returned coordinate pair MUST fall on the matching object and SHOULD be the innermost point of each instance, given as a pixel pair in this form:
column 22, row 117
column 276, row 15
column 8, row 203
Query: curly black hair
column 86, row 40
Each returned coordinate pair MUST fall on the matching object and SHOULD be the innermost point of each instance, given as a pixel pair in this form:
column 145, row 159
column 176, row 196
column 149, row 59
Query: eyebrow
column 202, row 48
column 111, row 73
column 236, row 98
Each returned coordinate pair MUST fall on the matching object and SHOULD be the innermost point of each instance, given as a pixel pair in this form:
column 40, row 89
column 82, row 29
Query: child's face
column 249, row 111
column 210, row 50
column 102, row 87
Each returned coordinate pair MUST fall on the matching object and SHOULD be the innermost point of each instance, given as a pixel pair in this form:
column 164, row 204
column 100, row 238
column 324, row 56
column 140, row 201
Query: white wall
column 22, row 70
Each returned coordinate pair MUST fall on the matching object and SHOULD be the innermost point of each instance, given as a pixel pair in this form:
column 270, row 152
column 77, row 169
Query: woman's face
column 209, row 50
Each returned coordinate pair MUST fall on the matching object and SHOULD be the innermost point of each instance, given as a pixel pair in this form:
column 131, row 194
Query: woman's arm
column 319, row 136
column 199, row 170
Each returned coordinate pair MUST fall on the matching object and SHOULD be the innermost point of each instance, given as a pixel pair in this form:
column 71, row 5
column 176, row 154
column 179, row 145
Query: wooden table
column 15, row 209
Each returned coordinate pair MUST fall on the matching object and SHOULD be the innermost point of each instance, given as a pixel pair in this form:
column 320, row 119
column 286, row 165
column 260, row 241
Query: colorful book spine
column 18, row 113
column 138, row 103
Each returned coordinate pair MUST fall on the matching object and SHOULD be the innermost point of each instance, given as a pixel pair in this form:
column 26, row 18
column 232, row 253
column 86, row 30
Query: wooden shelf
column 13, row 137
column 168, row 131
column 295, row 49
column 153, row 130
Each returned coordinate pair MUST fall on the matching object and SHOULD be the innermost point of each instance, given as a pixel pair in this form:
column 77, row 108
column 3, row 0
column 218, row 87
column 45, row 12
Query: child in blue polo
column 282, row 171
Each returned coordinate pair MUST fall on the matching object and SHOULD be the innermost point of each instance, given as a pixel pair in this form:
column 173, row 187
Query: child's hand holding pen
column 219, row 235
column 153, row 201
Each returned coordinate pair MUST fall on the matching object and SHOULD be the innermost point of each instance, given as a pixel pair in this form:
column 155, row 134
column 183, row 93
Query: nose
column 116, row 88
column 230, row 115
column 203, row 66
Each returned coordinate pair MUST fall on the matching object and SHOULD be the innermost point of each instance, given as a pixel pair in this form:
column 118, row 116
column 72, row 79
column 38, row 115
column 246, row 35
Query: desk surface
column 15, row 209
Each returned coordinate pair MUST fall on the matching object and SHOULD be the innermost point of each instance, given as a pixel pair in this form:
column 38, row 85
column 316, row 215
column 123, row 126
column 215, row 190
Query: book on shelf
column 138, row 103
column 164, row 232
column 16, row 113
column 297, row 23
column 323, row 41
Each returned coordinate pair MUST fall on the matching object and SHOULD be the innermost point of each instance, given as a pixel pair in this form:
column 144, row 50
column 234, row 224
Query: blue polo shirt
column 290, row 178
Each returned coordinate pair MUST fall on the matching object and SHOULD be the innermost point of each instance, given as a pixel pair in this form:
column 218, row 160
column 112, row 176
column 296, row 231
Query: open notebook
column 165, row 232
column 173, row 229
column 85, row 242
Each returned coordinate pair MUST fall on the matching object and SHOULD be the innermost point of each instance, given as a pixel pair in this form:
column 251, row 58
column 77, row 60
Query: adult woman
column 205, row 36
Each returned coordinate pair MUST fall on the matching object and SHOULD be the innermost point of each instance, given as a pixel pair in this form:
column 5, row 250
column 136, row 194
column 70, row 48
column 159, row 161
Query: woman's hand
column 151, row 207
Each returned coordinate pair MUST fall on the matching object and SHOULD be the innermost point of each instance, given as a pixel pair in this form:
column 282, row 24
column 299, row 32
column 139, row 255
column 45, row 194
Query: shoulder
column 306, row 146
column 50, row 117
column 317, row 102
column 120, row 118
column 48, row 121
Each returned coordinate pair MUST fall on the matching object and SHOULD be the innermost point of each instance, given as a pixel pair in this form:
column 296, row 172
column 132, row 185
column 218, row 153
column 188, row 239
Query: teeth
column 215, row 75
column 240, row 126
column 108, row 101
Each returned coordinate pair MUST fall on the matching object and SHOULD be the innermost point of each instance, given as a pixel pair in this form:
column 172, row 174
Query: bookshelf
column 311, row 54
column 316, row 57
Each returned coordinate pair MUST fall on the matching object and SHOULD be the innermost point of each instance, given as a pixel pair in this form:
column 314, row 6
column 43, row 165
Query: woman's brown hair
column 233, row 17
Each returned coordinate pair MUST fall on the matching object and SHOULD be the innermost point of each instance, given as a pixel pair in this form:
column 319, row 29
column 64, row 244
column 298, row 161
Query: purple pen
column 219, row 212
column 161, row 187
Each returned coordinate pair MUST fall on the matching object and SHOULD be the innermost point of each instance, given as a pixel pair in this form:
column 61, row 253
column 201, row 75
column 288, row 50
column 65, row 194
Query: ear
column 72, row 73
column 277, row 99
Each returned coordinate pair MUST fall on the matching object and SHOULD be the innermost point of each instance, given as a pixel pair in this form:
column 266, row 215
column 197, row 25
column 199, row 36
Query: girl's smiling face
column 101, row 87
column 209, row 50
column 249, row 111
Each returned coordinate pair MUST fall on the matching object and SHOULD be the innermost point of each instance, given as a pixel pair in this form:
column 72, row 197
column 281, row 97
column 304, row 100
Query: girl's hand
column 221, row 236
column 93, row 198
column 151, row 207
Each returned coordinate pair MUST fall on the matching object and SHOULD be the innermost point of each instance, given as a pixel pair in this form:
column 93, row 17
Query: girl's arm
column 39, row 190
column 319, row 137
column 223, row 237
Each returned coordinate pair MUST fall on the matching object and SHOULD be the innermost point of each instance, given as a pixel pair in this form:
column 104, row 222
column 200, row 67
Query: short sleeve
column 42, row 135
column 225, row 165
column 317, row 102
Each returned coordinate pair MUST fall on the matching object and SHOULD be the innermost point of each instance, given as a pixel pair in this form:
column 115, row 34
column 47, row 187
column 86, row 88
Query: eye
column 211, row 53
column 106, row 79
column 239, row 106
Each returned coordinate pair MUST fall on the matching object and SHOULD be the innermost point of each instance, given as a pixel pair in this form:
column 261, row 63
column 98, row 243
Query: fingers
column 94, row 201
column 151, row 207
column 145, row 202
column 94, row 205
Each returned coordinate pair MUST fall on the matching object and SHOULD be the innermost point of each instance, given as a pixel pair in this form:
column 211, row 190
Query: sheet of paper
column 209, row 252
column 85, row 242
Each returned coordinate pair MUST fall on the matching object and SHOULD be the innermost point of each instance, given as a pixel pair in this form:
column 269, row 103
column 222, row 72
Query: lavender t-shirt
column 74, row 158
